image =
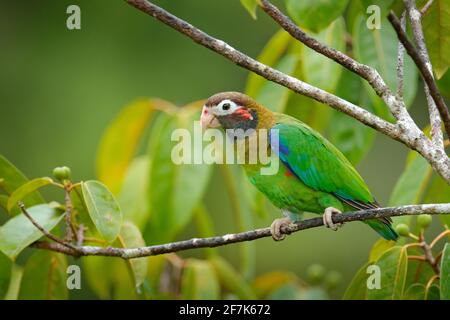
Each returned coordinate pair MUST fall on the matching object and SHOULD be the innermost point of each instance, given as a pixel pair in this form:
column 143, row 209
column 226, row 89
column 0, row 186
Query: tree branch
column 401, row 62
column 366, row 72
column 423, row 68
column 130, row 253
column 415, row 18
column 265, row 71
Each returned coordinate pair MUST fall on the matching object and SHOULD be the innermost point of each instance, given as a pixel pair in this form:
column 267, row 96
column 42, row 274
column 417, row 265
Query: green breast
column 286, row 191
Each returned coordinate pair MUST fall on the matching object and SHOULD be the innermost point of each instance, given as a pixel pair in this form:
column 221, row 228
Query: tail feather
column 384, row 228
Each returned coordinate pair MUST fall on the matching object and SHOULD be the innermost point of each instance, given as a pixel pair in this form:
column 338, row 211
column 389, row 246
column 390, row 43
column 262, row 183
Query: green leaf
column 432, row 293
column 14, row 284
column 103, row 209
column 415, row 291
column 271, row 54
column 199, row 281
column 273, row 95
column 174, row 189
column 357, row 290
column 379, row 248
column 315, row 15
column 121, row 139
column 438, row 192
column 25, row 189
column 133, row 196
column 320, row 71
column 250, row 6
column 5, row 274
column 230, row 279
column 378, row 48
column 18, row 233
column 393, row 265
column 444, row 84
column 44, row 277
column 130, row 237
column 445, row 273
column 351, row 137
column 411, row 185
column 436, row 26
column 12, row 178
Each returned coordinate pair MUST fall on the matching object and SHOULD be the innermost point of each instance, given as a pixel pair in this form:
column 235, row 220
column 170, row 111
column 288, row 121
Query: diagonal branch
column 366, row 72
column 416, row 23
column 425, row 72
column 265, row 71
column 401, row 62
column 130, row 253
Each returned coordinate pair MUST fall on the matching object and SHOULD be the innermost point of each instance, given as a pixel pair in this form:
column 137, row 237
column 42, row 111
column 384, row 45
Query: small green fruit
column 333, row 279
column 62, row 173
column 316, row 273
column 424, row 220
column 402, row 229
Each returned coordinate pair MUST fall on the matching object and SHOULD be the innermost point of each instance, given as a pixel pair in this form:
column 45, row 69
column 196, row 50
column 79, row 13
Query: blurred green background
column 60, row 88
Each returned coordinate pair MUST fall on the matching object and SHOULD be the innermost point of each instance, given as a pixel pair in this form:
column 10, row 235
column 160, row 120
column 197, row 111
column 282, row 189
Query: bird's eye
column 226, row 106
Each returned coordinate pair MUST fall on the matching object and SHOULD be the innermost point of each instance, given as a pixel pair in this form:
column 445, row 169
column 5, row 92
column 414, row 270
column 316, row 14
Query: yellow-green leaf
column 18, row 233
column 130, row 237
column 44, row 277
column 103, row 209
column 393, row 265
column 199, row 281
column 436, row 26
column 231, row 279
column 445, row 273
column 250, row 6
column 121, row 139
column 379, row 248
column 5, row 274
column 357, row 290
column 25, row 189
column 12, row 178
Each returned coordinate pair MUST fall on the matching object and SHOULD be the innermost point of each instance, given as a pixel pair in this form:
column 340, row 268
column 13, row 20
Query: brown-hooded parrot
column 313, row 176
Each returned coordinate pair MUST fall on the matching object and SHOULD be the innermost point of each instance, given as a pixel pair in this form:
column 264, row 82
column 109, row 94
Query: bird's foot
column 328, row 218
column 275, row 228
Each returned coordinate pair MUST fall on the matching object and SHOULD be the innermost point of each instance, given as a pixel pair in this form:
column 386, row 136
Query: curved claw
column 275, row 228
column 328, row 218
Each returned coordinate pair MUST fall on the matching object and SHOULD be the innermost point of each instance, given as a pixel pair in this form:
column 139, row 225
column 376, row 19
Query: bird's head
column 230, row 110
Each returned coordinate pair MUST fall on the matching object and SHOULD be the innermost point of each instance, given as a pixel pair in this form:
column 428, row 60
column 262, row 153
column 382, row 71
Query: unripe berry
column 62, row 173
column 316, row 273
column 424, row 220
column 402, row 229
column 333, row 279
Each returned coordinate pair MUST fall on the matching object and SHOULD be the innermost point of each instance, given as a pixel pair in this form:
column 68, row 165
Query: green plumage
column 313, row 174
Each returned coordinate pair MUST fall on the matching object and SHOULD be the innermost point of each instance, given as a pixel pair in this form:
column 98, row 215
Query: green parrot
column 313, row 175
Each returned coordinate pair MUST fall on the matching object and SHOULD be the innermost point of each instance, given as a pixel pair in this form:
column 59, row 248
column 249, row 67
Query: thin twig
column 69, row 208
column 265, row 71
column 130, row 253
column 416, row 23
column 44, row 232
column 425, row 72
column 425, row 8
column 419, row 258
column 429, row 256
column 439, row 237
column 366, row 72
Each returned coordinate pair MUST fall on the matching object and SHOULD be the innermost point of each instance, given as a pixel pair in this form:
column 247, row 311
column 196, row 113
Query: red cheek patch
column 243, row 113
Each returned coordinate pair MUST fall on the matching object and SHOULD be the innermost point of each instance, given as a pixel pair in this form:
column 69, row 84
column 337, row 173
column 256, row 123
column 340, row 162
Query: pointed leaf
column 130, row 237
column 133, row 197
column 18, row 233
column 436, row 26
column 5, row 274
column 379, row 248
column 25, row 189
column 315, row 15
column 231, row 279
column 174, row 189
column 12, row 178
column 357, row 290
column 121, row 139
column 415, row 292
column 250, row 6
column 44, row 277
column 103, row 209
column 393, row 265
column 199, row 281
column 445, row 273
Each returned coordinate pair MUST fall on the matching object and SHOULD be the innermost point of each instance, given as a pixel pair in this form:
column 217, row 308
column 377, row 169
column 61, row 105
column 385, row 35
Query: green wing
column 319, row 164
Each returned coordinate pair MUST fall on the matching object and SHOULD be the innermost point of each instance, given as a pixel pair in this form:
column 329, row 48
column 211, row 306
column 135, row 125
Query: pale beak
column 208, row 120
